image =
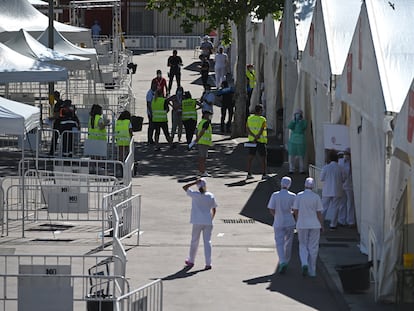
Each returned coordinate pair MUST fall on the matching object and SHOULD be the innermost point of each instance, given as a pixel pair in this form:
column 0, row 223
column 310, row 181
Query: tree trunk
column 239, row 128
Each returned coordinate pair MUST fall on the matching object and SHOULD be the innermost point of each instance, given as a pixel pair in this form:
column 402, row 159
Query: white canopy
column 17, row 118
column 26, row 45
column 374, row 84
column 62, row 45
column 18, row 14
column 15, row 67
column 331, row 31
column 38, row 2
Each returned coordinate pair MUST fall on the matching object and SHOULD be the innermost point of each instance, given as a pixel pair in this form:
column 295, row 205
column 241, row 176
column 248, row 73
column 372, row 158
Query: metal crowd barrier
column 148, row 297
column 60, row 282
column 155, row 43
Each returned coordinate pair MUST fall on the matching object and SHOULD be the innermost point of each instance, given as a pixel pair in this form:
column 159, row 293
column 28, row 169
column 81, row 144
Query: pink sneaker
column 189, row 264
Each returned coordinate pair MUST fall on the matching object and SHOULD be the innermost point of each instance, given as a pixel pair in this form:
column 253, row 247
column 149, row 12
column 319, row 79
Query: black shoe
column 290, row 173
column 332, row 228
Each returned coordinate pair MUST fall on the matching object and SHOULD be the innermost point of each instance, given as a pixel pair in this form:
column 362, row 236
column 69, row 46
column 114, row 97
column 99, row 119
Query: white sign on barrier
column 96, row 148
column 44, row 289
column 66, row 199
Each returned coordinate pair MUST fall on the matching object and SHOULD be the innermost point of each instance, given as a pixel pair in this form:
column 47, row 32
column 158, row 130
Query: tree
column 220, row 14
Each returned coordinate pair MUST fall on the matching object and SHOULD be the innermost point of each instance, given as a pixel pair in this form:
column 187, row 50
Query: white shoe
column 205, row 174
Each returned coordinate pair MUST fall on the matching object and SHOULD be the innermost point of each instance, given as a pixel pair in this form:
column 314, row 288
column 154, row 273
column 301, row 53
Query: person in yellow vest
column 189, row 116
column 97, row 124
column 257, row 135
column 204, row 140
column 251, row 84
column 123, row 134
column 159, row 110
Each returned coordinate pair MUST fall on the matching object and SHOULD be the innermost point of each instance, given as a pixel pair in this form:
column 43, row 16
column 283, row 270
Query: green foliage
column 217, row 12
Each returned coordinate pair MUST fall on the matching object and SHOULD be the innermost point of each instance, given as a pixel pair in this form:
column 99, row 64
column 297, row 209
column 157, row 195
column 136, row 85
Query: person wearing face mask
column 160, row 83
column 297, row 141
column 347, row 211
column 175, row 102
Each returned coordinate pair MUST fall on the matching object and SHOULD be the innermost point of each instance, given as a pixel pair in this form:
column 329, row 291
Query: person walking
column 123, row 134
column 346, row 215
column 220, row 66
column 333, row 177
column 58, row 105
column 160, row 83
column 175, row 102
column 203, row 210
column 204, row 71
column 297, row 142
column 251, row 84
column 204, row 140
column 257, row 135
column 227, row 106
column 149, row 97
column 307, row 209
column 174, row 62
column 159, row 110
column 67, row 124
column 280, row 206
column 189, row 116
column 206, row 48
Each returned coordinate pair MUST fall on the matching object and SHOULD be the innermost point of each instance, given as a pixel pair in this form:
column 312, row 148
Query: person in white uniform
column 203, row 210
column 309, row 223
column 347, row 212
column 280, row 206
column 333, row 177
column 220, row 66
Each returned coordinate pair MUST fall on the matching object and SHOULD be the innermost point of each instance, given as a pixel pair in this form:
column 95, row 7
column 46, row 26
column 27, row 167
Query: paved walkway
column 244, row 258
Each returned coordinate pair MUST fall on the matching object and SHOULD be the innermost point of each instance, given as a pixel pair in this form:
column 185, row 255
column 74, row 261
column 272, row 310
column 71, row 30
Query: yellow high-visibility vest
column 122, row 132
column 255, row 123
column 207, row 138
column 96, row 133
column 158, row 112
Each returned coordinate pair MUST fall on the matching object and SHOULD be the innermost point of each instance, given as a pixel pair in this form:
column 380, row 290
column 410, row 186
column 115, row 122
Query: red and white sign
column 349, row 73
column 410, row 121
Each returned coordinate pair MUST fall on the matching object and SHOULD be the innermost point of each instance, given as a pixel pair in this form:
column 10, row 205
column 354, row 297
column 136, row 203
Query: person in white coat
column 347, row 212
column 280, row 206
column 220, row 66
column 333, row 177
column 203, row 210
column 309, row 224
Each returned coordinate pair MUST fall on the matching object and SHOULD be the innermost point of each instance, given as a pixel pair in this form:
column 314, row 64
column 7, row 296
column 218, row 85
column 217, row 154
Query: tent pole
column 23, row 186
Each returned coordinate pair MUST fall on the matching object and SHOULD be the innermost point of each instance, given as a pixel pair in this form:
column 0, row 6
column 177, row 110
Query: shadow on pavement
column 181, row 274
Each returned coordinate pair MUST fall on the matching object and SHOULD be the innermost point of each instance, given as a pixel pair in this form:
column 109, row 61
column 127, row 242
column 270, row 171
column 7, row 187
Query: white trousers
column 284, row 240
column 347, row 211
column 331, row 207
column 195, row 238
column 220, row 75
column 308, row 248
column 292, row 163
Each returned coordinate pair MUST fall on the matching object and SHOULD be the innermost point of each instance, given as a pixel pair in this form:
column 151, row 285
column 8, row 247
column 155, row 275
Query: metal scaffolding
column 75, row 12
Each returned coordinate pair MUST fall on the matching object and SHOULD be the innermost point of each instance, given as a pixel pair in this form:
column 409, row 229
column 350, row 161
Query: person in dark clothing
column 56, row 115
column 66, row 123
column 174, row 62
column 227, row 105
column 204, row 71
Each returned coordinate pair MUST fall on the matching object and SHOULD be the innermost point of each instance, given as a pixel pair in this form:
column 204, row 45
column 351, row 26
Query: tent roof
column 392, row 32
column 17, row 118
column 340, row 18
column 38, row 2
column 26, row 45
column 18, row 14
column 61, row 44
column 15, row 67
column 303, row 17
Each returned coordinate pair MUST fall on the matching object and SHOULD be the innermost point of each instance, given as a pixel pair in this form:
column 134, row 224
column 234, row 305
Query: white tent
column 331, row 30
column 38, row 2
column 17, row 118
column 374, row 84
column 62, row 45
column 18, row 14
column 15, row 67
column 26, row 45
column 292, row 36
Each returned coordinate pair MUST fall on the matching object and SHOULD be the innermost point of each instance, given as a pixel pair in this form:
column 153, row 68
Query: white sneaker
column 249, row 176
column 205, row 174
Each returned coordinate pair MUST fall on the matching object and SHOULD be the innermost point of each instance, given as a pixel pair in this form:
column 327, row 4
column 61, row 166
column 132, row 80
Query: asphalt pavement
column 244, row 275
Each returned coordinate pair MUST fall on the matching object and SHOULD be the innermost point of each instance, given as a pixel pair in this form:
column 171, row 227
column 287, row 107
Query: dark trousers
column 150, row 133
column 177, row 75
column 224, row 109
column 190, row 126
column 164, row 126
column 204, row 78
